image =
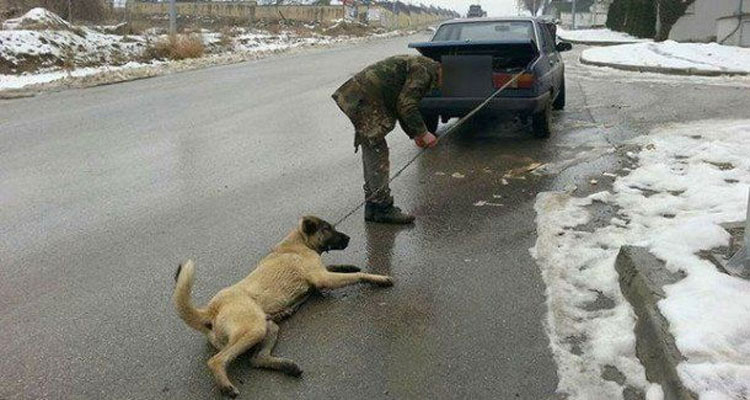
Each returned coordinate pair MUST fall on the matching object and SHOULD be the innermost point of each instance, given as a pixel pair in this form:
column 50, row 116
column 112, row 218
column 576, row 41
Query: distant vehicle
column 478, row 56
column 475, row 11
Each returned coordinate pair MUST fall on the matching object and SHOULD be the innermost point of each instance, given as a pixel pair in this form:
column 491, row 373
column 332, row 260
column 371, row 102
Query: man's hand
column 426, row 140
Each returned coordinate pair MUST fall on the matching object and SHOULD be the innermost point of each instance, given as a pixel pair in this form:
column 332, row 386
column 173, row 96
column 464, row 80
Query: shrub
column 226, row 38
column 638, row 17
column 175, row 47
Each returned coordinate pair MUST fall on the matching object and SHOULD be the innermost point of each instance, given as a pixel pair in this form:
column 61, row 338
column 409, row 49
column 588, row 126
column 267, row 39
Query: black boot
column 386, row 213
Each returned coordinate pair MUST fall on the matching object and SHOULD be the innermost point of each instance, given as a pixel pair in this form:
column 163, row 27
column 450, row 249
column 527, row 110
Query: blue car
column 480, row 55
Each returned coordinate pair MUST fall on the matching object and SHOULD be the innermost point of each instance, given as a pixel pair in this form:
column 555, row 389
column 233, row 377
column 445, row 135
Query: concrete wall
column 735, row 30
column 583, row 20
column 390, row 20
column 701, row 24
column 299, row 13
column 235, row 11
column 249, row 12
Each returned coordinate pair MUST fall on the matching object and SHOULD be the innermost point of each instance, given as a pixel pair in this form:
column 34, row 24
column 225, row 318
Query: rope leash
column 449, row 131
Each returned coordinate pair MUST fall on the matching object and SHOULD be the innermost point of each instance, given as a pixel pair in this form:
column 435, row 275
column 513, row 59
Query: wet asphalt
column 105, row 190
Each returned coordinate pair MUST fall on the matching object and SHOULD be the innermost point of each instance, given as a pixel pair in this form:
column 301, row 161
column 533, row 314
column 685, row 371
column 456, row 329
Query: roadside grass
column 226, row 37
column 175, row 47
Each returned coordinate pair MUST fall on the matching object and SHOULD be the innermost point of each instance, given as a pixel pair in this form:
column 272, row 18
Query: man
column 374, row 99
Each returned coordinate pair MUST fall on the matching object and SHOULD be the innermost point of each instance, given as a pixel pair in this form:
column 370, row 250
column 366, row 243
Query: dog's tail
column 196, row 318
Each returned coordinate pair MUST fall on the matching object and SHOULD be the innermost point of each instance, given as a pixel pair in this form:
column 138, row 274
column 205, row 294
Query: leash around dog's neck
column 449, row 131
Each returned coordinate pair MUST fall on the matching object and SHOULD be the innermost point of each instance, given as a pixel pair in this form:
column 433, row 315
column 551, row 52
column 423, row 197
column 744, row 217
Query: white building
column 723, row 21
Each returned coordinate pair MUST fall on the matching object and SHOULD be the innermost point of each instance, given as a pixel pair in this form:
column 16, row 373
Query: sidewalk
column 670, row 57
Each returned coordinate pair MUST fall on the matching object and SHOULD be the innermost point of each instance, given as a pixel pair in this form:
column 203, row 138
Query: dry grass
column 68, row 60
column 349, row 29
column 227, row 37
column 176, row 47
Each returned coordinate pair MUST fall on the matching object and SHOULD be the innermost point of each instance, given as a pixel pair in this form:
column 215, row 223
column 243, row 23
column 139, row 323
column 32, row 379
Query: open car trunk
column 468, row 67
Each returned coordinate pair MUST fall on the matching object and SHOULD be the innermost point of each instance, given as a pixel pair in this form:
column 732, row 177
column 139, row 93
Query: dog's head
column 322, row 236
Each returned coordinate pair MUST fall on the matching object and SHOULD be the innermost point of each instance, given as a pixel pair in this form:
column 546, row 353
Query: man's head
column 321, row 236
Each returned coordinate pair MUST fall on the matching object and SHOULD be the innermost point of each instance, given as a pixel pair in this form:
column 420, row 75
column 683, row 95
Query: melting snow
column 672, row 203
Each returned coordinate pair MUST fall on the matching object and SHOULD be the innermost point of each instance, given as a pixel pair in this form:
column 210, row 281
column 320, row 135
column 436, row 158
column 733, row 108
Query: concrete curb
column 662, row 70
column 594, row 42
column 642, row 277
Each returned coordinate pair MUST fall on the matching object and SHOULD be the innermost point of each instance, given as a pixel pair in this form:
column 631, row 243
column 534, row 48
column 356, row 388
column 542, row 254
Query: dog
column 244, row 315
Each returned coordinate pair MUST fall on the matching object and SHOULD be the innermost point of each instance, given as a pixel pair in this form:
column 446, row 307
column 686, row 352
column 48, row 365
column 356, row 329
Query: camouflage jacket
column 388, row 91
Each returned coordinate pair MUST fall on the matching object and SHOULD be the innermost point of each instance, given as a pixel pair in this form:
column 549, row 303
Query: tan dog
column 242, row 315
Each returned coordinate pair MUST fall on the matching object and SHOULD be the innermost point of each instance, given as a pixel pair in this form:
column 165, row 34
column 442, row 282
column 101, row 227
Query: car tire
column 559, row 103
column 541, row 123
column 431, row 121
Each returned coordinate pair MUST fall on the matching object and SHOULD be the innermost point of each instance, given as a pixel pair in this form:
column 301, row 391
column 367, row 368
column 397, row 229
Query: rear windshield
column 491, row 30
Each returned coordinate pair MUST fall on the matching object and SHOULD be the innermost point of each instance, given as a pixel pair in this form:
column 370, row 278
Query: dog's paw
column 230, row 391
column 292, row 369
column 384, row 281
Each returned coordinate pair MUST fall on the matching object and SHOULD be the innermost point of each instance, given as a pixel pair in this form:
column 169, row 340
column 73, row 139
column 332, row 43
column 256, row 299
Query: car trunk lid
column 477, row 69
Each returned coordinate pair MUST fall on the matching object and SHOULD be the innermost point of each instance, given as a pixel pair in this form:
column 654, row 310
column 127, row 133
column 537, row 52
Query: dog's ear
column 310, row 225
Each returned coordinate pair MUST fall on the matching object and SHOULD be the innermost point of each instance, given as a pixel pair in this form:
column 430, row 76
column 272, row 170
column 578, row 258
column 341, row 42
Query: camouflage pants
column 371, row 124
column 376, row 166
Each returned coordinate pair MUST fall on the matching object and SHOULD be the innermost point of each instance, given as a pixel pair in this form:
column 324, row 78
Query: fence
column 249, row 12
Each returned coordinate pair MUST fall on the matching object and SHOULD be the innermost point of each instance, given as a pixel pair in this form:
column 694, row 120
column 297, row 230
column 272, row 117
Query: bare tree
column 532, row 6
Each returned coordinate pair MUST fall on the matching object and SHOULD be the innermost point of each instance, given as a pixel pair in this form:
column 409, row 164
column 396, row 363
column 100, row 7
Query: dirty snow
column 597, row 35
column 689, row 179
column 31, row 50
column 711, row 57
column 41, row 40
column 37, row 18
column 23, row 80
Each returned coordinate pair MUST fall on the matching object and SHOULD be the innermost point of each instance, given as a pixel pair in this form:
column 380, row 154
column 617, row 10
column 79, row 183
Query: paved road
column 105, row 190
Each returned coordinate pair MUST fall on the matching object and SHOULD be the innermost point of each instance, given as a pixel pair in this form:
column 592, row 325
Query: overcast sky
column 494, row 8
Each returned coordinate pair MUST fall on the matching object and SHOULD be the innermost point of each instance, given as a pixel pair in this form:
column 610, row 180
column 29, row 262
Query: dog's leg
column 287, row 312
column 250, row 333
column 334, row 280
column 342, row 268
column 264, row 359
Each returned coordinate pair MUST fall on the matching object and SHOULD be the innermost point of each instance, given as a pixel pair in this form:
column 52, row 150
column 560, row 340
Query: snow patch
column 597, row 35
column 711, row 57
column 672, row 203
column 20, row 81
column 37, row 18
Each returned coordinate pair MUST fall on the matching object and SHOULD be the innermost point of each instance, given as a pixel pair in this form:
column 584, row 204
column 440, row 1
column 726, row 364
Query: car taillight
column 525, row 81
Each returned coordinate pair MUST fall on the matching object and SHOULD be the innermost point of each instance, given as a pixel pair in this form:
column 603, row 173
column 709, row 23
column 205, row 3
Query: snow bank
column 37, row 19
column 705, row 57
column 690, row 179
column 27, row 50
column 40, row 40
column 594, row 36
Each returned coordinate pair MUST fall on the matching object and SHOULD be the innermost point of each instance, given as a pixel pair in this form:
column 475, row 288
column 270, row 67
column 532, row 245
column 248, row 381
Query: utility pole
column 574, row 14
column 172, row 18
